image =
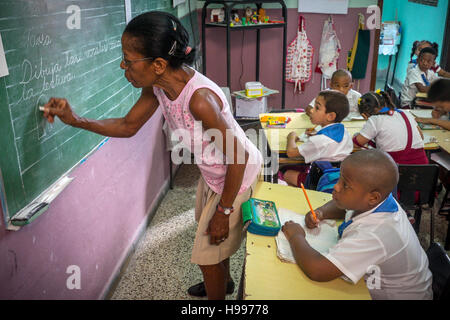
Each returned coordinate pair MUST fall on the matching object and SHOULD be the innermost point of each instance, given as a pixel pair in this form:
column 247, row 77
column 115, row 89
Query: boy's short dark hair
column 439, row 90
column 336, row 102
column 428, row 50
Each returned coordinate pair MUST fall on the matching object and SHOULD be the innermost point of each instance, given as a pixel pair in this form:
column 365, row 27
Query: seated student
column 375, row 240
column 419, row 45
column 418, row 78
column 332, row 143
column 342, row 81
column 391, row 130
column 439, row 95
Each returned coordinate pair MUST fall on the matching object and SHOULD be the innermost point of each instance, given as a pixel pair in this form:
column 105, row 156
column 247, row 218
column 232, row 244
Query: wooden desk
column 443, row 139
column 266, row 277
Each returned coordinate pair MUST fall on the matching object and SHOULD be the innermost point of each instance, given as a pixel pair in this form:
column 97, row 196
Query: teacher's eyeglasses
column 128, row 63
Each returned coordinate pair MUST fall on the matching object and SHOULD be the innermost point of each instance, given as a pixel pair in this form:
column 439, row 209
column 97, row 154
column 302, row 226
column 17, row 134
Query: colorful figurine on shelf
column 262, row 18
column 248, row 15
column 255, row 19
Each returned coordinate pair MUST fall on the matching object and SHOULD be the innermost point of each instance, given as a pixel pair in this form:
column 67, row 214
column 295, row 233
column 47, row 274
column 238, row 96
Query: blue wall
column 419, row 22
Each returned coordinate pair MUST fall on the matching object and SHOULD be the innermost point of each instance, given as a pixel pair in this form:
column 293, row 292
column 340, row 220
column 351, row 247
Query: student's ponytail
column 414, row 48
column 387, row 100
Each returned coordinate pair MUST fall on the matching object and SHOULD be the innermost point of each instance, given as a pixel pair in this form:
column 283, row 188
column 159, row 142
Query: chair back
column 417, row 178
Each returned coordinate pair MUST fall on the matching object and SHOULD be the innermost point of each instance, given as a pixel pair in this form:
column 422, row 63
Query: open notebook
column 321, row 239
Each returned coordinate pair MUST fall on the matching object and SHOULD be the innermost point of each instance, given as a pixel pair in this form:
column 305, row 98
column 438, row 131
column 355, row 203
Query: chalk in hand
column 41, row 108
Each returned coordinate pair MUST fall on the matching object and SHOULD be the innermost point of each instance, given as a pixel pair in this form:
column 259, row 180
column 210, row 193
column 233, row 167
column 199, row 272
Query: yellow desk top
column 442, row 136
column 266, row 277
column 300, row 120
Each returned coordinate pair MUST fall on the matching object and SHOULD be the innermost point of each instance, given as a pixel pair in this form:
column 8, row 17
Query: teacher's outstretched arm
column 115, row 127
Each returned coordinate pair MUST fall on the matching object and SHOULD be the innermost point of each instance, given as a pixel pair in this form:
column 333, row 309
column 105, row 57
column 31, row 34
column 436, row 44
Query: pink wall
column 271, row 54
column 91, row 224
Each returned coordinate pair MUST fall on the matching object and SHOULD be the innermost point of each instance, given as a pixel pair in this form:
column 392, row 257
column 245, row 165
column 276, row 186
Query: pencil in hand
column 309, row 203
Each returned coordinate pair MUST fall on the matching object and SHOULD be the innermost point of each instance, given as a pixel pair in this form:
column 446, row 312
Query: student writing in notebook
column 439, row 96
column 419, row 78
column 342, row 81
column 376, row 241
column 389, row 129
column 332, row 143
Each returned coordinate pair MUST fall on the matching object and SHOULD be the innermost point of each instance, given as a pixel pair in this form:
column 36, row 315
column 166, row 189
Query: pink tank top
column 210, row 160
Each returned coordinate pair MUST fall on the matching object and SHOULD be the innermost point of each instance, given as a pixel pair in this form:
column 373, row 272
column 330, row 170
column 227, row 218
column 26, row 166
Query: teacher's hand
column 61, row 108
column 218, row 228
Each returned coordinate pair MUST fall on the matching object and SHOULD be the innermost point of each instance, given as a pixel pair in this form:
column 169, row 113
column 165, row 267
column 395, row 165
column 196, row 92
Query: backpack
column 322, row 176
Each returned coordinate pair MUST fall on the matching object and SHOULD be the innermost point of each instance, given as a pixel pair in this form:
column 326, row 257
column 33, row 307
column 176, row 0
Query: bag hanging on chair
column 330, row 48
column 299, row 58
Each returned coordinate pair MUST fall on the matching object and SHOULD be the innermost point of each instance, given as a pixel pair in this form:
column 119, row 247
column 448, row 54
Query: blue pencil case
column 261, row 217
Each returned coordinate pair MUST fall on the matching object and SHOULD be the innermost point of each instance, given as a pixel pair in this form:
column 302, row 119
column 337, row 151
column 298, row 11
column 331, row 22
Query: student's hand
column 308, row 110
column 293, row 137
column 291, row 229
column 61, row 108
column 425, row 120
column 310, row 131
column 437, row 113
column 218, row 228
column 310, row 222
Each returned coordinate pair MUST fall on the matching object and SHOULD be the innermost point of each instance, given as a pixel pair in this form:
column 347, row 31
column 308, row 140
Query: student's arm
column 206, row 107
column 359, row 141
column 443, row 73
column 314, row 265
column 291, row 148
column 117, row 127
column 445, row 124
column 421, row 87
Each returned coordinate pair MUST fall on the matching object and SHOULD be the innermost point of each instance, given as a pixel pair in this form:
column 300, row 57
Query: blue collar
column 386, row 109
column 335, row 132
column 388, row 205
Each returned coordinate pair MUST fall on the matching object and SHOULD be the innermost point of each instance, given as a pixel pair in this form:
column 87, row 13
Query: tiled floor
column 160, row 267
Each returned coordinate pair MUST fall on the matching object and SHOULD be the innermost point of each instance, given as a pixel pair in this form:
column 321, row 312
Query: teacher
column 155, row 58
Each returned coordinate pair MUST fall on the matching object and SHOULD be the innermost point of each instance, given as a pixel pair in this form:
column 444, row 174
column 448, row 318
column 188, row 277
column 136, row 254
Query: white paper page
column 3, row 66
column 323, row 6
column 321, row 239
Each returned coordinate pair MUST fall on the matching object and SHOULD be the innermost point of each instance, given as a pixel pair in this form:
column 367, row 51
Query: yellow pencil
column 309, row 203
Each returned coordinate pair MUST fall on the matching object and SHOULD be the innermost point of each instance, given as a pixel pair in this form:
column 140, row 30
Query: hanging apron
column 330, row 48
column 299, row 59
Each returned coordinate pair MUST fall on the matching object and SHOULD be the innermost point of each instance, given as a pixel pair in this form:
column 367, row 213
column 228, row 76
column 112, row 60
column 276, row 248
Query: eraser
column 41, row 108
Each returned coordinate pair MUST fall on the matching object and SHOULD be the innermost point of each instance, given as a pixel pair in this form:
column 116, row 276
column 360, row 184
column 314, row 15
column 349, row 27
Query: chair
column 421, row 178
column 439, row 265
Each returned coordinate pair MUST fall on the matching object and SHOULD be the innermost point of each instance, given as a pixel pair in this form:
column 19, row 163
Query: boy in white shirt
column 376, row 239
column 419, row 77
column 332, row 143
column 342, row 81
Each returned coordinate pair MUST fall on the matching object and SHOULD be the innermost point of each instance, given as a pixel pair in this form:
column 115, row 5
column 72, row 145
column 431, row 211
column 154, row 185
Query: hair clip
column 359, row 101
column 172, row 50
column 378, row 91
column 174, row 25
column 188, row 50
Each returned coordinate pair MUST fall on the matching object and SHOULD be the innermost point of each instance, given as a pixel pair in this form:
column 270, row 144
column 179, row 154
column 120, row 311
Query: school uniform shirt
column 352, row 96
column 332, row 143
column 390, row 133
column 415, row 75
column 382, row 246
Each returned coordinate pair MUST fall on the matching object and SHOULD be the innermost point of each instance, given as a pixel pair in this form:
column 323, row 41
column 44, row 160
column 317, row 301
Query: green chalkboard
column 48, row 55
